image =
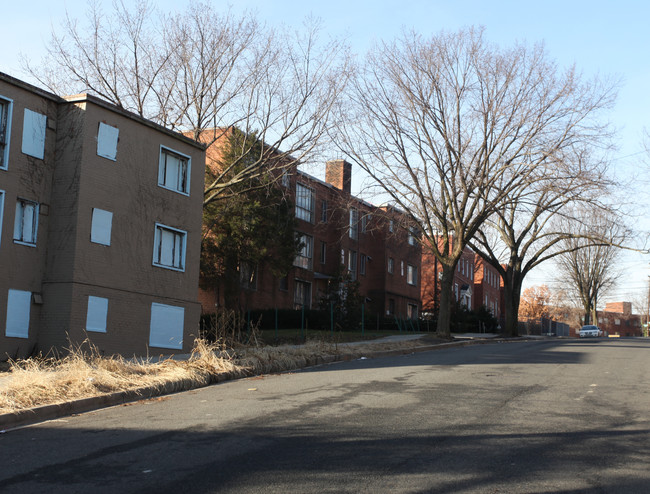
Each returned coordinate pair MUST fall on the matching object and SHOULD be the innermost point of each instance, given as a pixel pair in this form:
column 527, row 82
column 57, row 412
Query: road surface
column 538, row 416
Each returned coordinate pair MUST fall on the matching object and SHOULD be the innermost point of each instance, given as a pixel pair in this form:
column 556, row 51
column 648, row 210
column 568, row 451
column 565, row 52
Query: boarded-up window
column 100, row 232
column 107, row 137
column 34, row 134
column 166, row 328
column 97, row 313
column 18, row 306
column 2, row 211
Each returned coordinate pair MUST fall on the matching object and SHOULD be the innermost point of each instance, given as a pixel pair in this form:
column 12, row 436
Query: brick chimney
column 339, row 174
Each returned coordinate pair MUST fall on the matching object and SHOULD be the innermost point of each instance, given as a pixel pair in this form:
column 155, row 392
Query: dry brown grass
column 84, row 373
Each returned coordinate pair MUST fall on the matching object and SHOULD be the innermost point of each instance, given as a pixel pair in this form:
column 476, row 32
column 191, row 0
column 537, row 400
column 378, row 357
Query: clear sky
column 610, row 38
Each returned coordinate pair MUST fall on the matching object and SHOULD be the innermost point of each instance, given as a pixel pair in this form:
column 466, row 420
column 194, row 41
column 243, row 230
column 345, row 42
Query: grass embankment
column 83, row 374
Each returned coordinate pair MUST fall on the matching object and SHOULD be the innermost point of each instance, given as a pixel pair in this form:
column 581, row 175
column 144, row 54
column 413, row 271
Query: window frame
column 5, row 137
column 323, row 252
column 411, row 275
column 352, row 264
column 411, row 311
column 362, row 264
column 157, row 247
column 412, row 235
column 365, row 219
column 304, row 207
column 248, row 275
column 304, row 258
column 391, row 265
column 353, row 230
column 306, row 295
column 162, row 172
column 22, row 202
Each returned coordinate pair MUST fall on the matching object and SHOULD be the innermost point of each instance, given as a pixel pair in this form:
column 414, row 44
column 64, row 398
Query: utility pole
column 646, row 330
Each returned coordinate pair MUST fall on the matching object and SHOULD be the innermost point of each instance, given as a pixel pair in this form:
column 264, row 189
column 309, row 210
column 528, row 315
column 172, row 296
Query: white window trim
column 4, row 164
column 157, row 246
column 189, row 170
column 34, row 225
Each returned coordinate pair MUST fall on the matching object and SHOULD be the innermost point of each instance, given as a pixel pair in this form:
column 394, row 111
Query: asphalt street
column 563, row 416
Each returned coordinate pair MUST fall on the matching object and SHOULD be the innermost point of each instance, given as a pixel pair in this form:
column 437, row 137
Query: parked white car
column 590, row 331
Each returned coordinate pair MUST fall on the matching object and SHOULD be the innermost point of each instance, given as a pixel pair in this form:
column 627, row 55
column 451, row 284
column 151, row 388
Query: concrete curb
column 48, row 412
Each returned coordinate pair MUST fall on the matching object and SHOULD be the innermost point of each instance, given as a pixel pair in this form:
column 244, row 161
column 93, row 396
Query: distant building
column 487, row 287
column 617, row 319
column 100, row 222
column 476, row 283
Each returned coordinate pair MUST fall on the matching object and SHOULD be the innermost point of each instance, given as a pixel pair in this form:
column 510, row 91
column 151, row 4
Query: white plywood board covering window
column 2, row 211
column 107, row 137
column 34, row 134
column 166, row 328
column 18, row 306
column 102, row 222
column 97, row 313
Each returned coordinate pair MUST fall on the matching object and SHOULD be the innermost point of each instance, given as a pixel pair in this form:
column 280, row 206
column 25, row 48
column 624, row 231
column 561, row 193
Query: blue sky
column 601, row 37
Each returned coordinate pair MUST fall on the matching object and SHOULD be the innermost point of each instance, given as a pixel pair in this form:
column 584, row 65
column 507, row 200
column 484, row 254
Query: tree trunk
column 512, row 295
column 446, row 295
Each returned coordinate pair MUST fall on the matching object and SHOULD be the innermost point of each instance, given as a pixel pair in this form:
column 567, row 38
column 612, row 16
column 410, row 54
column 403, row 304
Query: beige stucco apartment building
column 100, row 227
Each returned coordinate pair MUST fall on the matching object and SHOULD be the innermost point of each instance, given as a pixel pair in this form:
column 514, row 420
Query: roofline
column 89, row 98
column 333, row 187
column 30, row 87
column 84, row 97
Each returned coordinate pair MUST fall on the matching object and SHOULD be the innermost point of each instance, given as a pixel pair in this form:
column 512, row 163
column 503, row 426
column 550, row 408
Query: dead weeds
column 84, row 373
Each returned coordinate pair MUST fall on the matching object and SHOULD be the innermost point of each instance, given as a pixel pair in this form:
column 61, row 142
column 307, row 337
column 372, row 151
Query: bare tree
column 531, row 227
column 589, row 269
column 204, row 73
column 450, row 127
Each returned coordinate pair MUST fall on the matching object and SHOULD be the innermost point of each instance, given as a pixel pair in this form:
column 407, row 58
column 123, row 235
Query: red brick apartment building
column 487, row 287
column 617, row 319
column 476, row 283
column 100, row 227
column 339, row 232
